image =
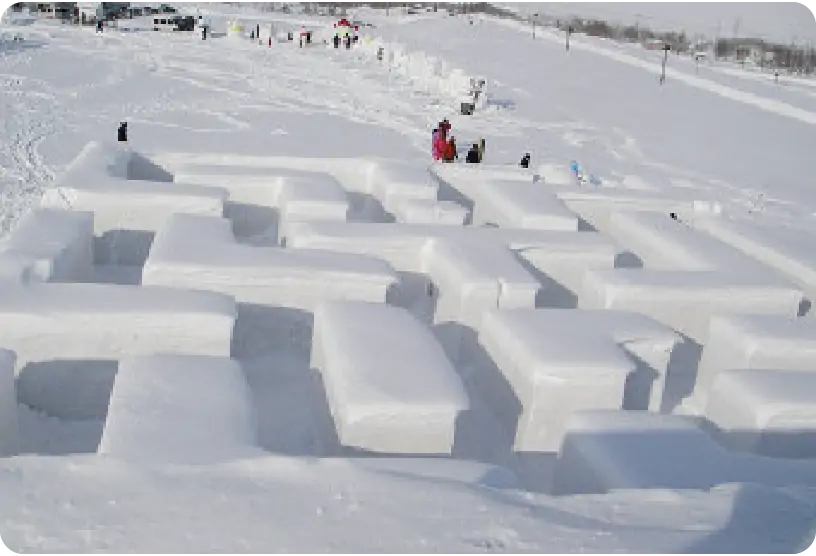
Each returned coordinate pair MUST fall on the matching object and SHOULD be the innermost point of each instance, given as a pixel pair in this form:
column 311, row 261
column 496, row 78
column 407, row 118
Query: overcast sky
column 779, row 21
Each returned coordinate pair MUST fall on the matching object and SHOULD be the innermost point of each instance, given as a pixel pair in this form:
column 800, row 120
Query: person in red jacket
column 450, row 153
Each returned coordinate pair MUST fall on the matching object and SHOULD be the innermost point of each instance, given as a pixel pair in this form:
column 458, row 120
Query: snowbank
column 766, row 412
column 522, row 205
column 9, row 434
column 180, row 409
column 393, row 183
column 788, row 250
column 389, row 384
column 552, row 371
column 428, row 73
column 200, row 252
column 608, row 450
column 44, row 322
column 50, row 245
column 126, row 212
column 687, row 300
column 754, row 342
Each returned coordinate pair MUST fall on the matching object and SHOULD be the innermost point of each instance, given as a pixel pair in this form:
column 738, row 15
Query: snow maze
column 212, row 307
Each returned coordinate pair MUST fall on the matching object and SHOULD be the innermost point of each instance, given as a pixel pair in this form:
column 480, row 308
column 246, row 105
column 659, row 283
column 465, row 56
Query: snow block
column 552, row 371
column 767, row 412
column 313, row 198
column 753, row 342
column 608, row 450
column 392, row 183
column 787, row 250
column 401, row 245
column 662, row 243
column 180, row 409
column 389, row 384
column 458, row 175
column 45, row 322
column 50, row 246
column 469, row 278
column 522, row 205
column 429, row 211
column 200, row 252
column 9, row 430
column 558, row 259
column 556, row 174
column 126, row 212
column 596, row 205
column 686, row 300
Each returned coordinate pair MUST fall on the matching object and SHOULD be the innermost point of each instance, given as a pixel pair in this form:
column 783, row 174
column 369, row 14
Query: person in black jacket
column 122, row 132
column 473, row 154
column 525, row 161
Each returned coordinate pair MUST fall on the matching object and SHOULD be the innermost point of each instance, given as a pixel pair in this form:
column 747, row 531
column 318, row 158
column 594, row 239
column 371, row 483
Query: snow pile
column 180, row 409
column 9, row 433
column 389, row 384
column 49, row 245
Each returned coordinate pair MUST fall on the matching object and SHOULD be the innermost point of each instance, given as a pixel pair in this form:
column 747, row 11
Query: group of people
column 443, row 145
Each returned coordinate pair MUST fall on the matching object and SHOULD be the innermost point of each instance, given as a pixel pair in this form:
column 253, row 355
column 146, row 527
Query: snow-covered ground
column 547, row 431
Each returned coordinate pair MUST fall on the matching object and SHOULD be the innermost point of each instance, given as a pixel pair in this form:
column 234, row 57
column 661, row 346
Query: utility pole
column 666, row 49
column 569, row 32
column 535, row 16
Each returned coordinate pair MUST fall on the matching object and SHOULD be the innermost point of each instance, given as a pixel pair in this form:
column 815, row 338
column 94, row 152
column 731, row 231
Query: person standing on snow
column 525, row 161
column 450, row 153
column 441, row 144
column 434, row 143
column 473, row 154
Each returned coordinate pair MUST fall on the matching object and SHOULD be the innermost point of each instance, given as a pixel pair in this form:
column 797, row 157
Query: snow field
column 389, row 384
column 430, row 333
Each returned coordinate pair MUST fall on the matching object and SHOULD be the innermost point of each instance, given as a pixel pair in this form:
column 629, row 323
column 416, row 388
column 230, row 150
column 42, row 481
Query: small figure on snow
column 336, row 41
column 450, row 154
column 473, row 155
column 122, row 132
column 525, row 161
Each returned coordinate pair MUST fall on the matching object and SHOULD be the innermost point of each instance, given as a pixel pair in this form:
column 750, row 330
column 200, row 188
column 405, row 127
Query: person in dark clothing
column 473, row 154
column 525, row 161
column 348, row 41
column 336, row 40
column 122, row 132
